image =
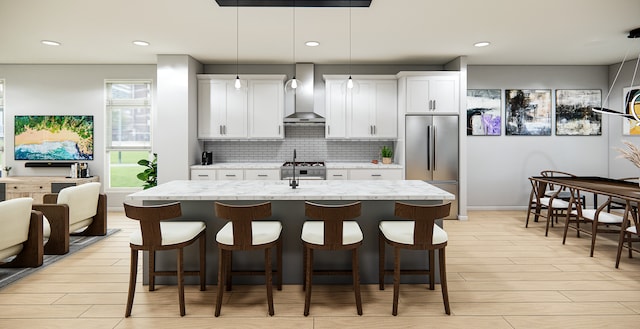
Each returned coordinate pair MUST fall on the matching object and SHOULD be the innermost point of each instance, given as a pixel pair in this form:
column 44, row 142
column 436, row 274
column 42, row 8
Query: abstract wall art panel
column 574, row 115
column 527, row 112
column 484, row 112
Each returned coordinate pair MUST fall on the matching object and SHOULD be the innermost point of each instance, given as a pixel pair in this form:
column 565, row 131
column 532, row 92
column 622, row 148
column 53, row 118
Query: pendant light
column 630, row 100
column 292, row 85
column 350, row 80
column 237, row 84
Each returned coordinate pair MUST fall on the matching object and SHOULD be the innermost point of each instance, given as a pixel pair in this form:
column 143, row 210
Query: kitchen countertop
column 277, row 165
column 280, row 190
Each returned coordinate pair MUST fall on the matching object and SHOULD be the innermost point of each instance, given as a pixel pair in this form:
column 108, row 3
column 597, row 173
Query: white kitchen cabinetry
column 203, row 174
column 366, row 174
column 369, row 111
column 229, row 174
column 222, row 109
column 254, row 111
column 266, row 108
column 337, row 174
column 265, row 174
column 429, row 92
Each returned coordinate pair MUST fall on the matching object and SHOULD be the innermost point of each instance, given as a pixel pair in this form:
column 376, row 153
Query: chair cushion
column 15, row 215
column 313, row 232
column 173, row 232
column 557, row 203
column 401, row 231
column 632, row 229
column 82, row 200
column 46, row 227
column 262, row 232
column 604, row 217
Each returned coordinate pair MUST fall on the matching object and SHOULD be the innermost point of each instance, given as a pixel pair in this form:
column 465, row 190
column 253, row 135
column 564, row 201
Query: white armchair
column 78, row 210
column 21, row 234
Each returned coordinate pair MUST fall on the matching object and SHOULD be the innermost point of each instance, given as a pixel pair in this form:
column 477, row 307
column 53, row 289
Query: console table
column 37, row 186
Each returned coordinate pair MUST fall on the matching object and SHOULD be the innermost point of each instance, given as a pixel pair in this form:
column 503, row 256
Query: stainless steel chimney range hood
column 303, row 113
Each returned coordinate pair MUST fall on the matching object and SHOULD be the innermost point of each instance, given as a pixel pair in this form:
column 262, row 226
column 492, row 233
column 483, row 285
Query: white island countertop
column 280, row 190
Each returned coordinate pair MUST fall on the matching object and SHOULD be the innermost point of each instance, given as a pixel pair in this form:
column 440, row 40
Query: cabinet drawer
column 337, row 174
column 28, row 188
column 230, row 174
column 203, row 174
column 263, row 174
column 363, row 174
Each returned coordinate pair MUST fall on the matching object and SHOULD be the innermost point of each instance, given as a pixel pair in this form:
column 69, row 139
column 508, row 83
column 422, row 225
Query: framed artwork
column 484, row 115
column 630, row 127
column 574, row 115
column 528, row 112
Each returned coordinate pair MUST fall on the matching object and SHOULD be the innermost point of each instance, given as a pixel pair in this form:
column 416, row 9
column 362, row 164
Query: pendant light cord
column 237, row 35
column 349, row 38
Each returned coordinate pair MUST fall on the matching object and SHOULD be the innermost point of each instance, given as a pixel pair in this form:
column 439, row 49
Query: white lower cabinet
column 337, row 174
column 265, row 174
column 368, row 174
column 203, row 174
column 230, row 174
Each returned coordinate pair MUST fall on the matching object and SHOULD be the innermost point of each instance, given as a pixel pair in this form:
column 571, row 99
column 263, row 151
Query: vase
column 386, row 160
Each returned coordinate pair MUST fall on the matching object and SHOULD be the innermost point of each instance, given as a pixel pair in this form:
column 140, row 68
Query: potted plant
column 7, row 169
column 150, row 175
column 386, row 153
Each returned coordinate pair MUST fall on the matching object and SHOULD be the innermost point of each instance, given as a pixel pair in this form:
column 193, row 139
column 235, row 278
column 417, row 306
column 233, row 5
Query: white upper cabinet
column 253, row 111
column 369, row 111
column 431, row 92
column 266, row 108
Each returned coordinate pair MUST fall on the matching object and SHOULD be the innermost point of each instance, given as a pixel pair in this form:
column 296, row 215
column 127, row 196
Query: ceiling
column 422, row 32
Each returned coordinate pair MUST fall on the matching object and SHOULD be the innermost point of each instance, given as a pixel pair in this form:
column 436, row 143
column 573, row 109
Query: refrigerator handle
column 434, row 145
column 428, row 148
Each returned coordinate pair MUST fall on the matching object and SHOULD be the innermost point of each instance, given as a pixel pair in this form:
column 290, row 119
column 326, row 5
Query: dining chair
column 21, row 234
column 598, row 220
column 331, row 228
column 156, row 234
column 418, row 232
column 630, row 229
column 541, row 205
column 247, row 230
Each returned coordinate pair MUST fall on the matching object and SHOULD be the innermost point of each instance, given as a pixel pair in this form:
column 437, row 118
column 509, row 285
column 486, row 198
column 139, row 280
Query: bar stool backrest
column 333, row 216
column 149, row 218
column 241, row 216
column 424, row 217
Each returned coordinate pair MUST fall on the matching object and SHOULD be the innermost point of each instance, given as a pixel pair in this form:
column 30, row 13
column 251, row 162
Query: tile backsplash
column 308, row 141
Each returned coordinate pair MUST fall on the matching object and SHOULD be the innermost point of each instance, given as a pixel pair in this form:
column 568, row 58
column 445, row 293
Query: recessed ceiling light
column 481, row 44
column 50, row 42
column 140, row 43
column 312, row 43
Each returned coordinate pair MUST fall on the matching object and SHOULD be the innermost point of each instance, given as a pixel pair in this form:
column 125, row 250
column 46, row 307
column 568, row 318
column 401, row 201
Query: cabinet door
column 361, row 110
column 266, row 109
column 444, row 93
column 375, row 174
column 336, row 109
column 208, row 124
column 418, row 100
column 386, row 110
column 235, row 111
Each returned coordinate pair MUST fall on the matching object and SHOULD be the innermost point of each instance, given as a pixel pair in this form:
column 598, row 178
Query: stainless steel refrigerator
column 432, row 152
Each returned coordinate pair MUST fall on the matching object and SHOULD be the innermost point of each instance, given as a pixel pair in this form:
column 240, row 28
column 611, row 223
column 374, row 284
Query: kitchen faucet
column 294, row 183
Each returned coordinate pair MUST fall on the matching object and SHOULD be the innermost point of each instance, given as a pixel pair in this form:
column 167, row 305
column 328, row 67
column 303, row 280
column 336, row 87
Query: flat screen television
column 53, row 137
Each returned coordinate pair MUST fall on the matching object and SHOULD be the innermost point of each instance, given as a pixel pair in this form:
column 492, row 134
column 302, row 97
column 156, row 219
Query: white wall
column 498, row 166
column 64, row 90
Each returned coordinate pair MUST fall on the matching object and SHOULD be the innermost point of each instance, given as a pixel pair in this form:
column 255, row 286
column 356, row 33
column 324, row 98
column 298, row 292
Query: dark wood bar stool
column 331, row 229
column 418, row 233
column 245, row 231
column 156, row 234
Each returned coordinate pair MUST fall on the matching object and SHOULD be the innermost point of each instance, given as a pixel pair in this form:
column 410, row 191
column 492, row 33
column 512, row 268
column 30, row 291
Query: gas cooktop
column 304, row 164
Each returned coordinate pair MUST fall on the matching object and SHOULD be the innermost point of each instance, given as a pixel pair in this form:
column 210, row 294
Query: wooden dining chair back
column 246, row 230
column 331, row 228
column 158, row 234
column 419, row 232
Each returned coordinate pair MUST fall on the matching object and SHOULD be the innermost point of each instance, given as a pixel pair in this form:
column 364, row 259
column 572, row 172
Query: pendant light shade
column 351, row 85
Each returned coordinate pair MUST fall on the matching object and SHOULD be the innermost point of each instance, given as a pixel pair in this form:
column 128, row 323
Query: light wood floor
column 500, row 274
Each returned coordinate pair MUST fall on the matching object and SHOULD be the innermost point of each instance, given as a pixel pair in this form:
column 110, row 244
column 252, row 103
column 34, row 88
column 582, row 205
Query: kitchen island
column 377, row 197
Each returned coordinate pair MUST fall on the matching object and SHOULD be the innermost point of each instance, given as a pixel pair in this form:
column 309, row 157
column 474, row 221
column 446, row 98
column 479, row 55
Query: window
column 128, row 106
column 2, row 163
